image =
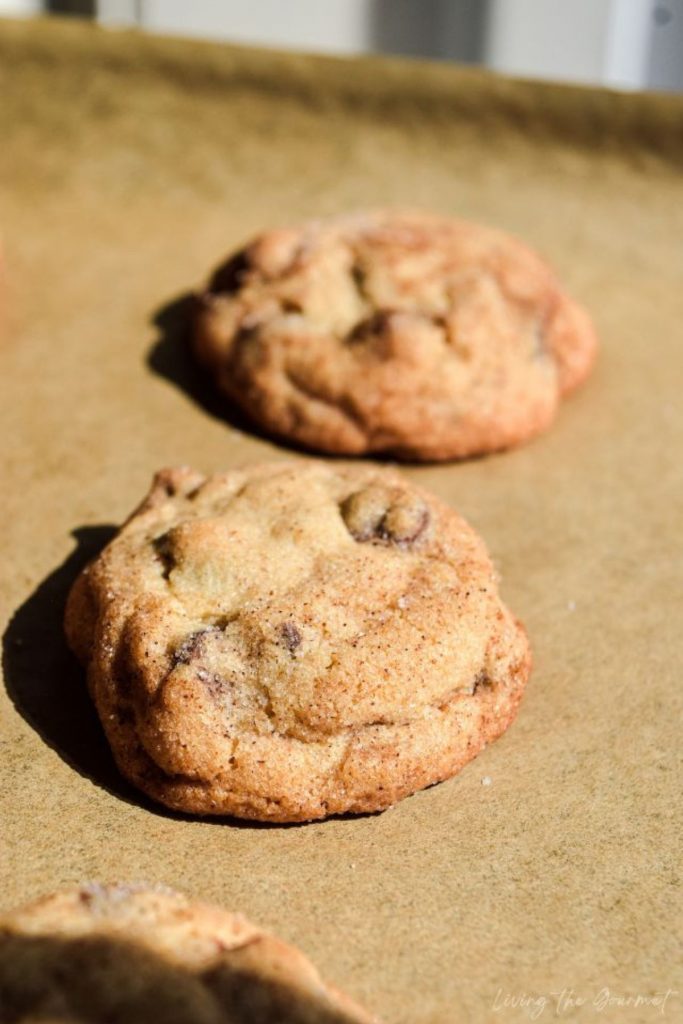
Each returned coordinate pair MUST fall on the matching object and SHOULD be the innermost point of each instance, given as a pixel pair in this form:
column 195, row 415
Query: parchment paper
column 129, row 166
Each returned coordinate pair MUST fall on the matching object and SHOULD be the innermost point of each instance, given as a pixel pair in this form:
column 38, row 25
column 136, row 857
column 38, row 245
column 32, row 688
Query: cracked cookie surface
column 131, row 954
column 294, row 640
column 397, row 332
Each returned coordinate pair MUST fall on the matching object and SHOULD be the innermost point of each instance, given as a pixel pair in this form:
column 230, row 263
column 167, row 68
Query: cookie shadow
column 44, row 680
column 171, row 358
column 46, row 685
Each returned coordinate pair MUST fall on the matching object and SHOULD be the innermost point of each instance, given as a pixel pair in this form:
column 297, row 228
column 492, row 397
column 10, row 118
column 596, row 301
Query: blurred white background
column 631, row 44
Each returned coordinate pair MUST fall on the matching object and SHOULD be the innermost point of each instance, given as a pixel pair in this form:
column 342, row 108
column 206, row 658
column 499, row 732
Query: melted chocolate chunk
column 191, row 647
column 290, row 635
column 482, row 681
column 385, row 514
column 404, row 523
column 162, row 550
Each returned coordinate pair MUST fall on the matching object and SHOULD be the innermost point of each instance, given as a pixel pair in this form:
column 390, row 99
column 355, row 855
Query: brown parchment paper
column 128, row 166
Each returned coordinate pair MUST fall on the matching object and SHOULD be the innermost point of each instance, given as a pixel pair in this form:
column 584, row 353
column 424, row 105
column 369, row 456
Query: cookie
column 394, row 332
column 121, row 954
column 295, row 640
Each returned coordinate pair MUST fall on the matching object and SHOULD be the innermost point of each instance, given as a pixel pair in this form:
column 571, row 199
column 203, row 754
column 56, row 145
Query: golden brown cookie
column 396, row 332
column 122, row 954
column 295, row 640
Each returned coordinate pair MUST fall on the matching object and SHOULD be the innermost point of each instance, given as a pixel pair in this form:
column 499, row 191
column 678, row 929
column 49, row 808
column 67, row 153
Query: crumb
column 487, row 780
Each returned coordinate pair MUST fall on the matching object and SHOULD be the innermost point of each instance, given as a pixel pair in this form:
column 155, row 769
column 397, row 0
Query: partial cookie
column 395, row 332
column 121, row 954
column 295, row 640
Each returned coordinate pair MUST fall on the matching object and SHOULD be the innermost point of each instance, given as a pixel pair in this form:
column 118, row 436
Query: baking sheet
column 130, row 165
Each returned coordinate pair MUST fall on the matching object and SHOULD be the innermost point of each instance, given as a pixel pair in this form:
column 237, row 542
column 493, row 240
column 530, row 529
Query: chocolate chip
column 377, row 324
column 405, row 523
column 385, row 514
column 364, row 512
column 482, row 681
column 162, row 550
column 291, row 636
column 191, row 646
